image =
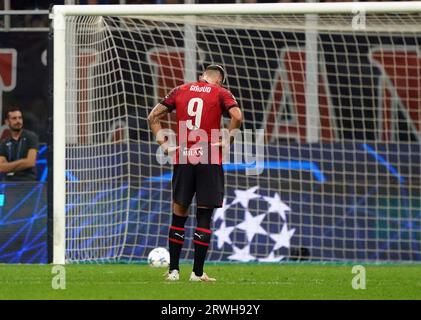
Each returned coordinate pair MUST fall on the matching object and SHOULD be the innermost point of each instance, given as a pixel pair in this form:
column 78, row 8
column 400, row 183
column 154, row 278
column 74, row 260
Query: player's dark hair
column 218, row 68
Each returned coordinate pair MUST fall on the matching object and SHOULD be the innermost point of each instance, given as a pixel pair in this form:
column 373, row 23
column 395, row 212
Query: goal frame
column 60, row 12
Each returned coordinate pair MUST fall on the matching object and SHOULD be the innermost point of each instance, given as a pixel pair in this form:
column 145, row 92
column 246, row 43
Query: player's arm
column 230, row 107
column 154, row 119
column 160, row 110
column 236, row 119
column 20, row 164
column 235, row 123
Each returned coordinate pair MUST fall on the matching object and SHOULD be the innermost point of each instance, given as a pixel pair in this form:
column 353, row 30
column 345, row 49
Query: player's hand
column 169, row 151
column 223, row 144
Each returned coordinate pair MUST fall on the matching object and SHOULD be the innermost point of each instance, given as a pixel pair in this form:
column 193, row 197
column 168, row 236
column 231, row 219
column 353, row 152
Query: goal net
column 336, row 90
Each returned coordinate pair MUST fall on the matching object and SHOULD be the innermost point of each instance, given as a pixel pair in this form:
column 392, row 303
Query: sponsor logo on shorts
column 180, row 235
column 198, row 235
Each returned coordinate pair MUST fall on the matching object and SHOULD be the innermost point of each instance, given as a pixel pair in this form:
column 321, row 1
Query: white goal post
column 343, row 139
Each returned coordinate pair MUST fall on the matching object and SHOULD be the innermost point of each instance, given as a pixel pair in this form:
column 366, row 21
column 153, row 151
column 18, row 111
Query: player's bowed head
column 214, row 74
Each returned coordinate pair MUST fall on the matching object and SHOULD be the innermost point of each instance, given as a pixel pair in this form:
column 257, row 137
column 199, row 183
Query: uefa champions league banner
column 257, row 222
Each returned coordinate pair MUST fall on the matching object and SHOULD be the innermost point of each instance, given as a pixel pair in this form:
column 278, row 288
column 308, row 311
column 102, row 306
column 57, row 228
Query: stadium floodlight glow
column 338, row 101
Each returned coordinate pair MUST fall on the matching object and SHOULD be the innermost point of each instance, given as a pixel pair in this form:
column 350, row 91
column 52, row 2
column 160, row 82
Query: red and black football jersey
column 198, row 105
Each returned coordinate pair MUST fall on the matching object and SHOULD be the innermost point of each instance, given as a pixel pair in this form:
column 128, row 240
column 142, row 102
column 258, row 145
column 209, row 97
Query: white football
column 159, row 257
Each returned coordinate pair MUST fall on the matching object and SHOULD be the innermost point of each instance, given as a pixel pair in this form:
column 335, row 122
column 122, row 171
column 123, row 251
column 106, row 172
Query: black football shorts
column 204, row 180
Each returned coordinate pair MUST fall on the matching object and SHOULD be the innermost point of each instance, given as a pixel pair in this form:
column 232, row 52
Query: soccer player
column 18, row 152
column 199, row 107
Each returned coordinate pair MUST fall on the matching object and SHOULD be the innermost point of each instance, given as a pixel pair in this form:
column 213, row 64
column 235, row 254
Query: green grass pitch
column 235, row 281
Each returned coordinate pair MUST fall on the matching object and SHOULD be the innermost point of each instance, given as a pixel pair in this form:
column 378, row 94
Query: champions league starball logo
column 270, row 223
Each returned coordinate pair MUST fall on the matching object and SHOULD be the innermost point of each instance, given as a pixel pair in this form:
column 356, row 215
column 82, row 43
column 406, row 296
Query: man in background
column 18, row 152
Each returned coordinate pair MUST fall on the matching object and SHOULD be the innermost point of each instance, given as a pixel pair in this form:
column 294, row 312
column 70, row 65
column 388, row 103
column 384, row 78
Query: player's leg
column 176, row 235
column 201, row 240
column 183, row 191
column 209, row 195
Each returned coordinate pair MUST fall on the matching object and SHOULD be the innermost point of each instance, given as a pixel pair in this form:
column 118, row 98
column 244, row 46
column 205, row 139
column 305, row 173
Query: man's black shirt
column 14, row 150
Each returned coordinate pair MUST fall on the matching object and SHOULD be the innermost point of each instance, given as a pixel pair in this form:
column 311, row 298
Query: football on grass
column 159, row 257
